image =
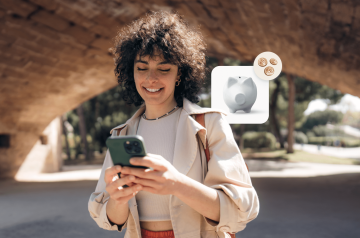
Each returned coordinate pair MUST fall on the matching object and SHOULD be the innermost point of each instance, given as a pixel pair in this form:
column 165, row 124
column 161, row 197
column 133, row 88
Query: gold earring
column 178, row 82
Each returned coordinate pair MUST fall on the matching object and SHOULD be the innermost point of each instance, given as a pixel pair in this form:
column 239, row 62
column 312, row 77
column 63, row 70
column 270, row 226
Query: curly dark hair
column 169, row 34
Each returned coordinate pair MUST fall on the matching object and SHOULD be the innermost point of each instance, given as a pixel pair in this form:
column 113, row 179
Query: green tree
column 102, row 113
column 322, row 118
column 306, row 91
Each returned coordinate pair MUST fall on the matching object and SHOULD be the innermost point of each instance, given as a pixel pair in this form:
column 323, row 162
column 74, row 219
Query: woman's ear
column 179, row 74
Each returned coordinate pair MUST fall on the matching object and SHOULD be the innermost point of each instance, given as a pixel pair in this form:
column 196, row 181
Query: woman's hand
column 165, row 179
column 114, row 186
column 161, row 180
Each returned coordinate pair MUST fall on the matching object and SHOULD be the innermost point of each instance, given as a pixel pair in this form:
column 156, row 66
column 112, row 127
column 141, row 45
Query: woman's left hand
column 162, row 180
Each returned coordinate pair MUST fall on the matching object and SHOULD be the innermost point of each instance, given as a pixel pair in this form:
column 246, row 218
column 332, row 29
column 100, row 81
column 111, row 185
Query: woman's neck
column 153, row 111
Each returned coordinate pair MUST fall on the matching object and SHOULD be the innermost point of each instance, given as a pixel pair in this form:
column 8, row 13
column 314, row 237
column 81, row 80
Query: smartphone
column 122, row 148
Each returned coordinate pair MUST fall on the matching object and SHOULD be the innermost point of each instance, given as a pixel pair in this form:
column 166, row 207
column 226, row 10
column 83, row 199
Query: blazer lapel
column 185, row 143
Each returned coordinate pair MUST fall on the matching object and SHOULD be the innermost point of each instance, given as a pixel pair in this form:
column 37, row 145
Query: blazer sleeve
column 228, row 174
column 98, row 200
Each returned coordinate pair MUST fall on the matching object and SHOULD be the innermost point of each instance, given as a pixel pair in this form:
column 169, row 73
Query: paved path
column 257, row 168
column 324, row 206
column 351, row 153
column 283, row 169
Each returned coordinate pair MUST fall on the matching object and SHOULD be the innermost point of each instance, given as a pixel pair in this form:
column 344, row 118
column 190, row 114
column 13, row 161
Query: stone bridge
column 54, row 54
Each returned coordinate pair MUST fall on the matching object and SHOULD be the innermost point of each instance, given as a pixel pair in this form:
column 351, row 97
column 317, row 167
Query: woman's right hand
column 114, row 186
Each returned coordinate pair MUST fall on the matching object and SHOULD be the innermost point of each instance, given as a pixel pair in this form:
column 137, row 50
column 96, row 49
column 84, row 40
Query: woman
column 160, row 61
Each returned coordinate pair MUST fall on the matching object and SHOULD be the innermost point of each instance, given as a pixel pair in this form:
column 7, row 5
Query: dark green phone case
column 122, row 148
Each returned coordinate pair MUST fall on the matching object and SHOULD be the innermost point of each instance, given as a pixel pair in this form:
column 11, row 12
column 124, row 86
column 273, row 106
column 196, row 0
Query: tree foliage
column 306, row 91
column 102, row 113
column 322, row 118
column 108, row 110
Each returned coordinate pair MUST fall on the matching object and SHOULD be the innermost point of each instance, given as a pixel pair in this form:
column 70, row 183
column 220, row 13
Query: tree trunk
column 273, row 121
column 291, row 116
column 63, row 119
column 242, row 129
column 82, row 128
column 97, row 108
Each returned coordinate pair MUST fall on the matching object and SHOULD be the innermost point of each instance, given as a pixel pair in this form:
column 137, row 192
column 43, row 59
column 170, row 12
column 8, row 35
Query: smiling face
column 155, row 80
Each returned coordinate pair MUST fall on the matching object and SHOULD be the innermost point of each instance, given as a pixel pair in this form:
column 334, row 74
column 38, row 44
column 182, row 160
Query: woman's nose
column 152, row 75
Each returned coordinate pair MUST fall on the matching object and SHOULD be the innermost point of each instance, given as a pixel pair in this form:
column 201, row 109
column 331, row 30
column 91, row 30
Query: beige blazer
column 227, row 173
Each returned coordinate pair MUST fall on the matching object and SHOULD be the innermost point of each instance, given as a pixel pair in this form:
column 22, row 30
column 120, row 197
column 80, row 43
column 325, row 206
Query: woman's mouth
column 153, row 90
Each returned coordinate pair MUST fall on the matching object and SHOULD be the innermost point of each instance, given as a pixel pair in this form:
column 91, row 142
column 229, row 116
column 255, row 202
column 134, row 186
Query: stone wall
column 54, row 54
column 45, row 155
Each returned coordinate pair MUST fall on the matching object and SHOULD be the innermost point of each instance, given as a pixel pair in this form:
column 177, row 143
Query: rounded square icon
column 267, row 65
column 237, row 91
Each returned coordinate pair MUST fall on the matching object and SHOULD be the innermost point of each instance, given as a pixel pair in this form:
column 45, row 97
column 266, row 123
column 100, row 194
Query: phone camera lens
column 136, row 143
column 128, row 147
column 137, row 149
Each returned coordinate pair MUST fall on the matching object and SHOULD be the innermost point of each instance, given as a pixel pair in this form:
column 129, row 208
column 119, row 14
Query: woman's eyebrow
column 165, row 62
column 145, row 62
column 141, row 61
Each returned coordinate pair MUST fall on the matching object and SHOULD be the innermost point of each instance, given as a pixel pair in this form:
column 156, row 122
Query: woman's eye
column 164, row 70
column 140, row 69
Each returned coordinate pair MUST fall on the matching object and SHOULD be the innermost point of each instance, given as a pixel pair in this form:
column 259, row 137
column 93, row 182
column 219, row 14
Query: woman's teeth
column 152, row 90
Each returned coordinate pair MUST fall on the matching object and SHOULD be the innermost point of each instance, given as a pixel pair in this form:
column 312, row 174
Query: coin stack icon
column 267, row 65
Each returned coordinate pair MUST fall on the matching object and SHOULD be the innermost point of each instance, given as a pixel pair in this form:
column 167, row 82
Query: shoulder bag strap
column 200, row 118
column 117, row 131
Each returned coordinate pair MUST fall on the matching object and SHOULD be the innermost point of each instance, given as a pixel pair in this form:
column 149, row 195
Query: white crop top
column 159, row 137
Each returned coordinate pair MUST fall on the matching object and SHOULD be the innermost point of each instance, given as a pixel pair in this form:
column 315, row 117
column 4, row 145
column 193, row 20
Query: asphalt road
column 326, row 206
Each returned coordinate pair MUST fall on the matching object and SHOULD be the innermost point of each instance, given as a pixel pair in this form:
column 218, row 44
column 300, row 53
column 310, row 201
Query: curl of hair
column 169, row 34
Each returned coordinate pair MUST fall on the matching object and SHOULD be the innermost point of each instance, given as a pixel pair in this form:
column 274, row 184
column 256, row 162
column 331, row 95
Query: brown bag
column 200, row 118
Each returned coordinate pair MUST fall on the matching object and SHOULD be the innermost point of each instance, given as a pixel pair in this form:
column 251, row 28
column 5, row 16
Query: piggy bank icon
column 240, row 93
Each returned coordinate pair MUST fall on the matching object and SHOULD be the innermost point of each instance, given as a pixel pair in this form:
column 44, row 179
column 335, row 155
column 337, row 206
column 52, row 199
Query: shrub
column 330, row 141
column 258, row 140
column 310, row 134
column 351, row 142
column 324, row 131
column 299, row 137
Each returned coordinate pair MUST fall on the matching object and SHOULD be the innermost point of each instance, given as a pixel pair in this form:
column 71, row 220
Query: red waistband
column 157, row 234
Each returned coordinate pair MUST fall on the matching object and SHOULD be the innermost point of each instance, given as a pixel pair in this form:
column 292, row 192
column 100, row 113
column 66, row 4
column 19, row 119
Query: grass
column 298, row 156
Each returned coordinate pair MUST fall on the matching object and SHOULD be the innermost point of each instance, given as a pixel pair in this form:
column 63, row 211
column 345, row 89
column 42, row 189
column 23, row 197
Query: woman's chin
column 152, row 101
